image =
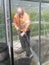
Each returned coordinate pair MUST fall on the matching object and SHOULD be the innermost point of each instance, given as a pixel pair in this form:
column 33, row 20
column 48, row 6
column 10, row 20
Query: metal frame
column 11, row 37
column 6, row 27
column 40, row 32
column 5, row 19
column 42, row 1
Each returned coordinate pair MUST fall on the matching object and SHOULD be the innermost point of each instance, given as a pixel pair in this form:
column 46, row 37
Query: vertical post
column 40, row 32
column 5, row 18
column 11, row 34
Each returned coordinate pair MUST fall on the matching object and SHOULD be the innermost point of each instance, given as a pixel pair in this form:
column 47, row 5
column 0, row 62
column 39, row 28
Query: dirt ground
column 20, row 56
column 20, row 59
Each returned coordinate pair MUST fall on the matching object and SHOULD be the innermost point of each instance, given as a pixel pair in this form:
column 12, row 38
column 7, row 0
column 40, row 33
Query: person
column 22, row 24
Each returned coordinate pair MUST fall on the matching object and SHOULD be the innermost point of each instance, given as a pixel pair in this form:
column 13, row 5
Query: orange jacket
column 23, row 23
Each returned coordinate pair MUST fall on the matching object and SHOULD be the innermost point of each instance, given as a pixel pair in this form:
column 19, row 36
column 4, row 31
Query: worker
column 22, row 24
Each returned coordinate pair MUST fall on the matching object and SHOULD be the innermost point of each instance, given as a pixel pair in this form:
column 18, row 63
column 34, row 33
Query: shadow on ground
column 24, row 61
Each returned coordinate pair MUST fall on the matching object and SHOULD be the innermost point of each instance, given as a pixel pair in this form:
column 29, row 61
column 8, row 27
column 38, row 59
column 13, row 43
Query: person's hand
column 22, row 34
column 17, row 28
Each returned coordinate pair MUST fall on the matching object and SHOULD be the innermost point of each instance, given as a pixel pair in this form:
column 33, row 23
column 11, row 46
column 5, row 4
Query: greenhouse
column 11, row 52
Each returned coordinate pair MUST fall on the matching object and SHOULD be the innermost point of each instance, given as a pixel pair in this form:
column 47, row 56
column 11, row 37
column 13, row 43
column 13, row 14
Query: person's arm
column 14, row 23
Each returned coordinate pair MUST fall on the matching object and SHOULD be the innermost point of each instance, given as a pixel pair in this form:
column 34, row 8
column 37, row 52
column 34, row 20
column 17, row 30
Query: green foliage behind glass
column 33, row 14
column 1, row 17
column 34, row 17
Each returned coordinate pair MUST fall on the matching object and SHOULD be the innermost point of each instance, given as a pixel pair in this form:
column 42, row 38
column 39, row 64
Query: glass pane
column 2, row 23
column 45, row 33
column 32, row 8
column 4, row 50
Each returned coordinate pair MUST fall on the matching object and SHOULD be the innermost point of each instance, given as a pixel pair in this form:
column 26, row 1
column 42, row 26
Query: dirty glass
column 4, row 51
column 2, row 24
column 45, row 33
column 32, row 8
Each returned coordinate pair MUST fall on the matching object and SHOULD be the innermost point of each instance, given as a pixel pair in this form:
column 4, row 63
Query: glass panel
column 4, row 50
column 2, row 23
column 32, row 8
column 45, row 33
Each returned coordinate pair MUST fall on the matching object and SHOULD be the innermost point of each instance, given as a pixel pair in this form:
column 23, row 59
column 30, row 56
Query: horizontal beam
column 42, row 1
column 32, row 22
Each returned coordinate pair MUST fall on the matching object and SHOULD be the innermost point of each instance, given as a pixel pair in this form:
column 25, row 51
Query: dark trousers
column 25, row 42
